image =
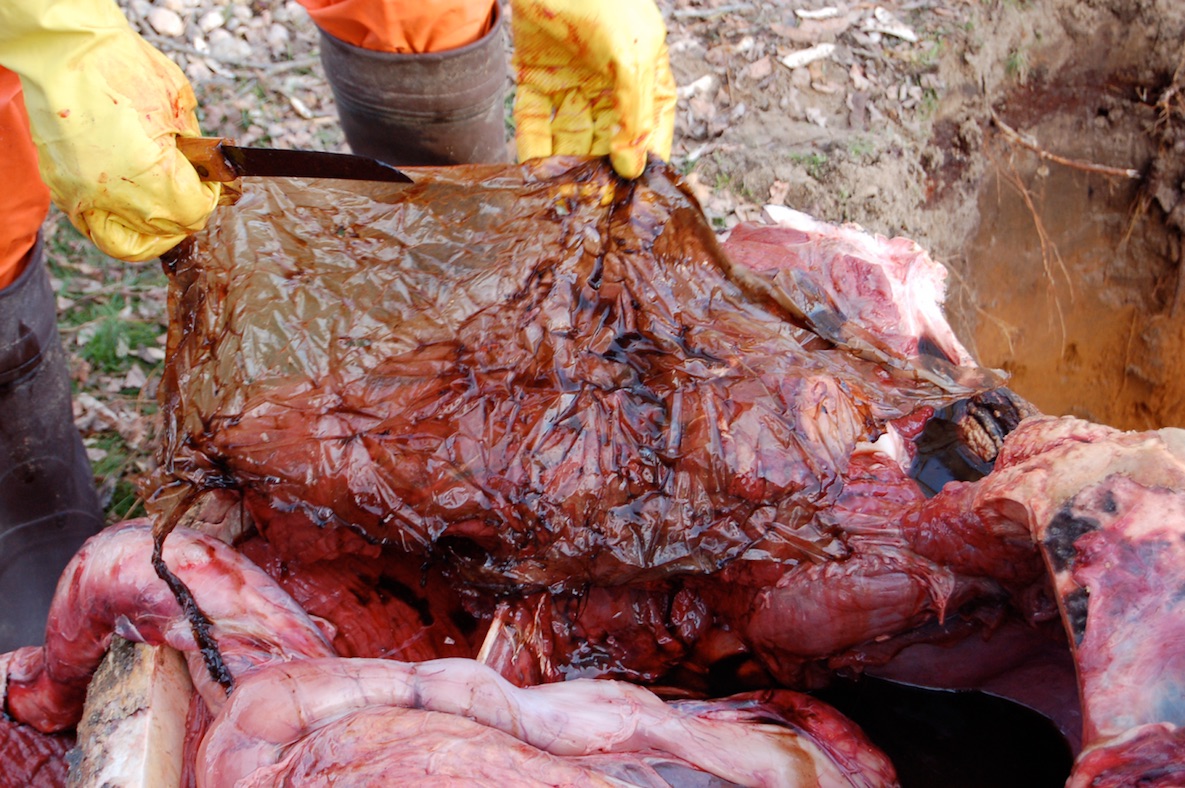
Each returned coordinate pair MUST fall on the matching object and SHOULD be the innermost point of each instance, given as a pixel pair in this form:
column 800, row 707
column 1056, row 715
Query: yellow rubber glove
column 105, row 109
column 593, row 77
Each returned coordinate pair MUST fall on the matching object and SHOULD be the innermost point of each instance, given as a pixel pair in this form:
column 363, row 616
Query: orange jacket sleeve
column 406, row 26
column 25, row 201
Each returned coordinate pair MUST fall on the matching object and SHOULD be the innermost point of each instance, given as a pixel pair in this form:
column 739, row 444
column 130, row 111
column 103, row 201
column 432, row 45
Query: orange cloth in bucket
column 24, row 200
column 406, row 26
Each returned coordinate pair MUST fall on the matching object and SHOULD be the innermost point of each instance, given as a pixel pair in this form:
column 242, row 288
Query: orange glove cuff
column 406, row 26
column 25, row 201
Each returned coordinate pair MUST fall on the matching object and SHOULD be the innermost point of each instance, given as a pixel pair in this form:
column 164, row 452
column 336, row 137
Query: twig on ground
column 1086, row 166
column 710, row 13
column 167, row 44
column 249, row 65
column 1174, row 93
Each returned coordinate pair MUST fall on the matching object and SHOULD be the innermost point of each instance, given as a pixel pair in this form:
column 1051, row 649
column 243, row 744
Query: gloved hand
column 593, row 77
column 105, row 108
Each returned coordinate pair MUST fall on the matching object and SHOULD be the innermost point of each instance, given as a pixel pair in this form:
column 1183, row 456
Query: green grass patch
column 115, row 474
column 508, row 112
column 112, row 335
column 929, row 55
column 861, row 147
column 111, row 315
column 107, row 309
column 814, row 161
column 1017, row 65
column 928, row 107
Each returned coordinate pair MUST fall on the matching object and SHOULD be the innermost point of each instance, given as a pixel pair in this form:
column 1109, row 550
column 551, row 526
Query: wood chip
column 166, row 22
column 806, row 56
column 885, row 23
column 301, row 108
column 817, row 13
column 705, row 84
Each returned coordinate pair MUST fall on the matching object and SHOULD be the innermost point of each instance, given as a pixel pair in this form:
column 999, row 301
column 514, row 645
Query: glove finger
column 572, row 128
column 665, row 99
column 111, row 234
column 634, row 94
column 604, row 123
column 532, row 123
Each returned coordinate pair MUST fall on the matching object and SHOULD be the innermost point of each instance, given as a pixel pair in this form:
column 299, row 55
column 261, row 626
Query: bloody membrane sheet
column 543, row 375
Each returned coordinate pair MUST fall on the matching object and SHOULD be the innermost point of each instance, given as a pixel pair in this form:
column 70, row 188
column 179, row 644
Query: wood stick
column 1078, row 164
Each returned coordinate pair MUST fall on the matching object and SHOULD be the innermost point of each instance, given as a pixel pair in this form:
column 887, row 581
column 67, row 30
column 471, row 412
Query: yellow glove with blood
column 105, row 109
column 593, row 78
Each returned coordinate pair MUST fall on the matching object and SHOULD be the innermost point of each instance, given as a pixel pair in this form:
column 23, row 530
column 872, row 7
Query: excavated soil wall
column 1063, row 275
column 1069, row 276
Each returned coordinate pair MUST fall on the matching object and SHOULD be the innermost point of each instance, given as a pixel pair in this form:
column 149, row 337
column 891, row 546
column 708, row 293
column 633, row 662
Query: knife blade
column 216, row 159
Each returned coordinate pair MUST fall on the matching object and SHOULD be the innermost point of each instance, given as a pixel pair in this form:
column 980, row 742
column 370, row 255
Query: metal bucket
column 432, row 108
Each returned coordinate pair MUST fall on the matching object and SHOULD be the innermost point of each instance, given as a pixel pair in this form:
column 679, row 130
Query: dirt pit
column 1055, row 198
column 1069, row 275
column 1071, row 281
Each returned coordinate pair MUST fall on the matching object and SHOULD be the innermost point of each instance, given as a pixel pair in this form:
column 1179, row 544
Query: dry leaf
column 778, row 191
column 698, row 188
column 859, row 81
column 759, row 69
column 135, row 378
column 816, row 116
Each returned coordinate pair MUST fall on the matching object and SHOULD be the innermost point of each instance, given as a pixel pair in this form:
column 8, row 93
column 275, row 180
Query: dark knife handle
column 206, row 156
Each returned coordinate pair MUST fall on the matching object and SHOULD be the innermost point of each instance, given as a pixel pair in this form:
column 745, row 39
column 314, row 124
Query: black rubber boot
column 48, row 505
column 436, row 108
